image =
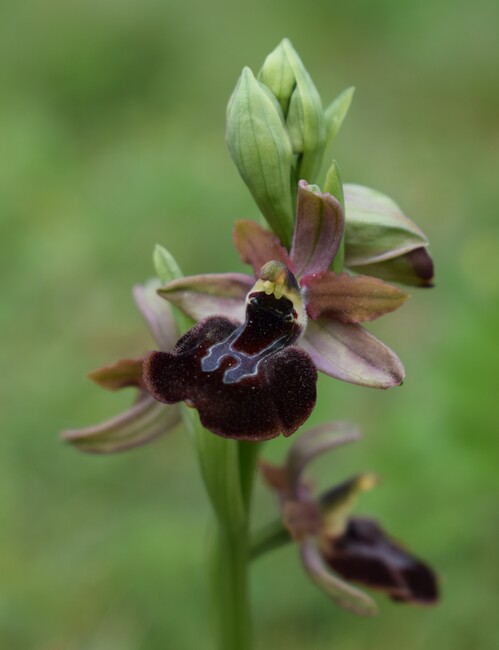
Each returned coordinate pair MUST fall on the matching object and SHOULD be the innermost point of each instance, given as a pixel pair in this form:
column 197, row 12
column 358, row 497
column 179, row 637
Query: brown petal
column 257, row 246
column 275, row 476
column 123, row 373
column 350, row 299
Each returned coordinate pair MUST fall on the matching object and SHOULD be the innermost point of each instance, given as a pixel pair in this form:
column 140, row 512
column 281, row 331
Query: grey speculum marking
column 270, row 326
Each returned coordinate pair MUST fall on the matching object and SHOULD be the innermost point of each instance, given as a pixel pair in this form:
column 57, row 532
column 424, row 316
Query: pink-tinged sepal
column 351, row 353
column 314, row 443
column 350, row 299
column 201, row 296
column 157, row 313
column 344, row 594
column 145, row 421
column 318, row 230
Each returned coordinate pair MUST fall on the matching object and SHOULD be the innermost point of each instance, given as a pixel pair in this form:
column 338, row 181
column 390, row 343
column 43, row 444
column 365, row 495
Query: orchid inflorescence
column 248, row 361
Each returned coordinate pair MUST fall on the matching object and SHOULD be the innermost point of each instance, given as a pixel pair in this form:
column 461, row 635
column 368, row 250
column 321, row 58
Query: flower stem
column 230, row 588
column 228, row 469
column 267, row 539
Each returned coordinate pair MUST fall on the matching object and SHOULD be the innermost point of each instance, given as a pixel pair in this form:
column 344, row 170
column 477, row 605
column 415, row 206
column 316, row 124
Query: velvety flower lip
column 146, row 419
column 247, row 381
column 365, row 553
column 336, row 304
column 336, row 547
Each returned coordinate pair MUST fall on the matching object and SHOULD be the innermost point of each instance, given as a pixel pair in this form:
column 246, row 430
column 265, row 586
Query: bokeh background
column 112, row 140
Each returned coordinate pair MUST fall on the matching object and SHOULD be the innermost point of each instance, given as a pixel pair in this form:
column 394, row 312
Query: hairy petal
column 146, row 420
column 350, row 353
column 350, row 299
column 414, row 268
column 200, row 296
column 157, row 312
column 123, row 373
column 257, row 246
column 318, row 230
column 341, row 592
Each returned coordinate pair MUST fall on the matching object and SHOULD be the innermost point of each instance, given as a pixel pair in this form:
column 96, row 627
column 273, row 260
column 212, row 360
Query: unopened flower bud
column 285, row 75
column 261, row 149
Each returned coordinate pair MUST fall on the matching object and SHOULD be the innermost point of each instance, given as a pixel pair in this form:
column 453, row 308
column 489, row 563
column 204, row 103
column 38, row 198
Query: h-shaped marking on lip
column 246, row 364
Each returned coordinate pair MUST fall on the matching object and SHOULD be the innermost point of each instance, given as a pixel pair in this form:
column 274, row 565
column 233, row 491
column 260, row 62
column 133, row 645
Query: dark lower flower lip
column 365, row 554
column 276, row 397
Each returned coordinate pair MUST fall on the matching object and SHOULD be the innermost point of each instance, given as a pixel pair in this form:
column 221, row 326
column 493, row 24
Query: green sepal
column 334, row 185
column 305, row 119
column 376, row 228
column 167, row 268
column 166, row 265
column 336, row 112
column 278, row 76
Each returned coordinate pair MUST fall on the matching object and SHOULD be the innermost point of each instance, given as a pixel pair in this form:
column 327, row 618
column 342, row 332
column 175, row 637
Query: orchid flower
column 335, row 304
column 336, row 547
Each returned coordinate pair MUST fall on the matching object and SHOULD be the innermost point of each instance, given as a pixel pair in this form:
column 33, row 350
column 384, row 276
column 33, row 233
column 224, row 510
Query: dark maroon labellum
column 247, row 381
column 365, row 554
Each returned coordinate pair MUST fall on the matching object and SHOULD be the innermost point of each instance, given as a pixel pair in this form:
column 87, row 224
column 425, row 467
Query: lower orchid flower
column 336, row 547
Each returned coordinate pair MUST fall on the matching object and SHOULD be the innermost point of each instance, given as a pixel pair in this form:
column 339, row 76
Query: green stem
column 228, row 470
column 248, row 459
column 230, row 589
column 268, row 538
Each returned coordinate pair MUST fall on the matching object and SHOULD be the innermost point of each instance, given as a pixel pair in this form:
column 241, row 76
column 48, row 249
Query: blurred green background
column 112, row 140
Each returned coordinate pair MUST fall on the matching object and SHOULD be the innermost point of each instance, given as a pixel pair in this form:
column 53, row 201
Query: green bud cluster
column 279, row 133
